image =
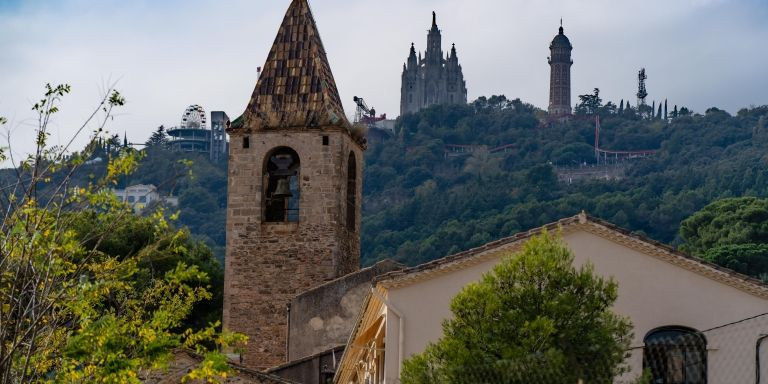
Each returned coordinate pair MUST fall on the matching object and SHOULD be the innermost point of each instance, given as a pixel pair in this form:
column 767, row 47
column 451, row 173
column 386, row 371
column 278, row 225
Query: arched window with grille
column 352, row 192
column 676, row 355
column 281, row 185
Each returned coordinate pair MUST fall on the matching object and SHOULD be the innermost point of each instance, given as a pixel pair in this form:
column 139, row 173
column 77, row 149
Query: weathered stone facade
column 560, row 75
column 268, row 263
column 272, row 256
column 322, row 318
column 434, row 79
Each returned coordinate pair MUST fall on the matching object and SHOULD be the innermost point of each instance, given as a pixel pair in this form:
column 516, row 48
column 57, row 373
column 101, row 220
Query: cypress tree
column 665, row 109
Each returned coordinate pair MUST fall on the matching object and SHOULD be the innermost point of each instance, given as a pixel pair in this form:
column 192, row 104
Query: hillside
column 424, row 199
column 421, row 205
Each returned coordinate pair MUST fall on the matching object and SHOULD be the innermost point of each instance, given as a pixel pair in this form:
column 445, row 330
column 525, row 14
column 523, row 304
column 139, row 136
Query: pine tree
column 532, row 330
column 158, row 139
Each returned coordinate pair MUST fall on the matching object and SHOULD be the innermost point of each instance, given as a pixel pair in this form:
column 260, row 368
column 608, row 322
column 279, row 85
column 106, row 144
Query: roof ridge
column 580, row 220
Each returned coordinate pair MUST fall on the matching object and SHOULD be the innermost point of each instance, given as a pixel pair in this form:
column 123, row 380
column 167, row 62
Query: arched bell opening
column 281, row 185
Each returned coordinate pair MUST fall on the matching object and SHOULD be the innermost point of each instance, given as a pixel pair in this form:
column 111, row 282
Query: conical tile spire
column 296, row 88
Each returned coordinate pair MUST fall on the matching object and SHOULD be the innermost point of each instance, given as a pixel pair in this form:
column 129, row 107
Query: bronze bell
column 282, row 190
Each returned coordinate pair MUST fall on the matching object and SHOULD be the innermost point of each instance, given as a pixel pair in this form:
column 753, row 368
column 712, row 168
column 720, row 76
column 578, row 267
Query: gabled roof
column 579, row 222
column 296, row 88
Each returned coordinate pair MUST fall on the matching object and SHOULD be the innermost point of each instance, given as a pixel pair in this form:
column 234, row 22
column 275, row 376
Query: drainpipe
column 288, row 334
column 757, row 357
column 401, row 329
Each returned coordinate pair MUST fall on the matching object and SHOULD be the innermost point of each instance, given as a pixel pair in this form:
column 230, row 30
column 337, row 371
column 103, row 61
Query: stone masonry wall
column 323, row 318
column 267, row 264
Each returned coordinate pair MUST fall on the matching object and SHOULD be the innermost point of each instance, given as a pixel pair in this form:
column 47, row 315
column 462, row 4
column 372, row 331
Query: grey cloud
column 698, row 53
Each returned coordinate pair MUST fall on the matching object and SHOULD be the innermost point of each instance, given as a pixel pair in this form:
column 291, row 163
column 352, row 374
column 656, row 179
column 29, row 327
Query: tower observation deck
column 193, row 134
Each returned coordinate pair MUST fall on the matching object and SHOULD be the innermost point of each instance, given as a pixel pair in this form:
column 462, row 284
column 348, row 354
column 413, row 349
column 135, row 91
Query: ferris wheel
column 194, row 118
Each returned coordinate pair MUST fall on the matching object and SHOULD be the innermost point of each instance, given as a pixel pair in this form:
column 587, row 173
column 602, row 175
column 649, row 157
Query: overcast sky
column 166, row 55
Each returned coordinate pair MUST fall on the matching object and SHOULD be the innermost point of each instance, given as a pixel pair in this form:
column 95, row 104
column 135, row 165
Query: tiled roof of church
column 296, row 88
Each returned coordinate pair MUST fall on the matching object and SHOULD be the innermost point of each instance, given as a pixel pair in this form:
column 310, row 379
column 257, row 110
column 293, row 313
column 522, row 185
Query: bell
column 282, row 190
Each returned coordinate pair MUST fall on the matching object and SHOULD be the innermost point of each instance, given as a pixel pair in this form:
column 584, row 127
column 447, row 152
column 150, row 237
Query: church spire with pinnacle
column 293, row 212
column 434, row 44
column 437, row 79
column 296, row 87
column 412, row 61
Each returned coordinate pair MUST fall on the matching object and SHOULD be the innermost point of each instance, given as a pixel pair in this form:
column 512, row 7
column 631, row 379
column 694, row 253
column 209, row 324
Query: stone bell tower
column 294, row 190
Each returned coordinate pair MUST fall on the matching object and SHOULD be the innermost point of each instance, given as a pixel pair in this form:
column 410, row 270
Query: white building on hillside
column 140, row 196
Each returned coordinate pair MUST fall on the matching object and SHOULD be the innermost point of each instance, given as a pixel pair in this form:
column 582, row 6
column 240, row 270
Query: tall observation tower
column 560, row 75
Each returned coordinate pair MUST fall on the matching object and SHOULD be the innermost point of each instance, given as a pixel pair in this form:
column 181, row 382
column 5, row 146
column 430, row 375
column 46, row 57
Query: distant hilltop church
column 434, row 79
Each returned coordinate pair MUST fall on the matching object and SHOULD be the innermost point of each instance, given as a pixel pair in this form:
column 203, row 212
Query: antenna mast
column 641, row 91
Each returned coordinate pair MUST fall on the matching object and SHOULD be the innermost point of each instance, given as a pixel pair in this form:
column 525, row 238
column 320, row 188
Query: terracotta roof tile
column 296, row 87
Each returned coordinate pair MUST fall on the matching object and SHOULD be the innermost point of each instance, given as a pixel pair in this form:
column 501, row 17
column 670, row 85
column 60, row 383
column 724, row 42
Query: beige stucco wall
column 652, row 293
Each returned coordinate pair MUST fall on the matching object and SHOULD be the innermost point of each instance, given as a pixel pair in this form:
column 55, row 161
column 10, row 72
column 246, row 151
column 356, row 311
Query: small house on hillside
column 140, row 196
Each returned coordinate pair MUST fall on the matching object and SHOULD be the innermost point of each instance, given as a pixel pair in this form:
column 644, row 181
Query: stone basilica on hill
column 433, row 79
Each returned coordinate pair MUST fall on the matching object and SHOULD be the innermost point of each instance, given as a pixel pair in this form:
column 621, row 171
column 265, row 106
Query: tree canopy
column 535, row 318
column 422, row 200
column 740, row 220
column 92, row 293
column 732, row 233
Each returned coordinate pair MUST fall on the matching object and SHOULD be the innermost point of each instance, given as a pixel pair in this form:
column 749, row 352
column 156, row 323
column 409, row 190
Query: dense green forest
column 420, row 204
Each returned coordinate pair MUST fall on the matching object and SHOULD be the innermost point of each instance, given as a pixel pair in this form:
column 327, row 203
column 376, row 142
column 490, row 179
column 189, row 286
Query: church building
column 294, row 191
column 434, row 79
